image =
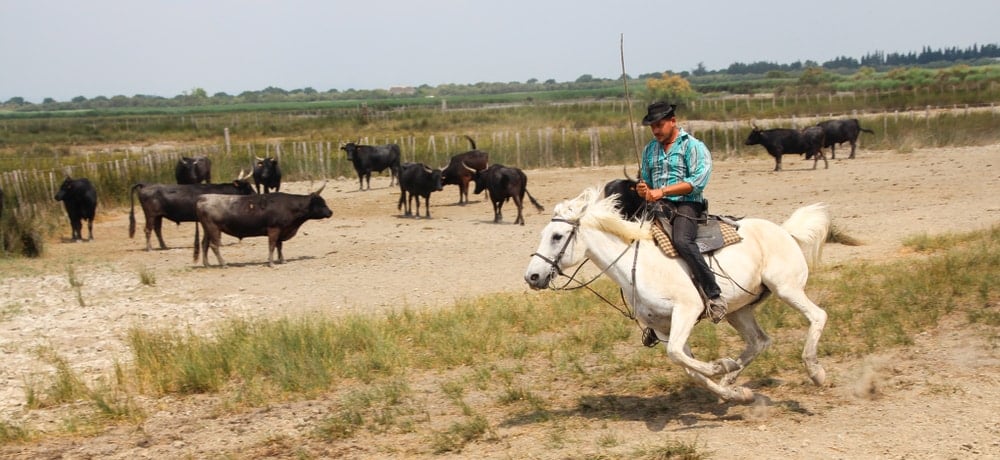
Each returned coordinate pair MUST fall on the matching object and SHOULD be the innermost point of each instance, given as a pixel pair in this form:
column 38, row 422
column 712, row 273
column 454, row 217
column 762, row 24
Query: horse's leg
column 745, row 323
column 681, row 324
column 817, row 321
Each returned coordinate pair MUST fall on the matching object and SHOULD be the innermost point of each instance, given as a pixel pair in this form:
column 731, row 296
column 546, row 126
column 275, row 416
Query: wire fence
column 30, row 192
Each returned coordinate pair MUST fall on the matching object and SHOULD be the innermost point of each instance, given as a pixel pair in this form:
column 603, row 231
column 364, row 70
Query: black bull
column 175, row 203
column 417, row 180
column 277, row 216
column 630, row 205
column 80, row 199
column 505, row 183
column 840, row 131
column 368, row 158
column 783, row 141
column 461, row 168
column 193, row 170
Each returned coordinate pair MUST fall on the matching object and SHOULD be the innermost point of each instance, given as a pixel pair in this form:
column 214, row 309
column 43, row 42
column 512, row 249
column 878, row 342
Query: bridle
column 554, row 263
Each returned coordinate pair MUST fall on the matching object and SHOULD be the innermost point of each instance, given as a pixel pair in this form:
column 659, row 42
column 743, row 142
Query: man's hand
column 650, row 194
column 641, row 188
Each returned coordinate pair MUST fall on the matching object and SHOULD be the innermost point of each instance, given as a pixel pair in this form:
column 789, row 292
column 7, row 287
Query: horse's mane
column 589, row 209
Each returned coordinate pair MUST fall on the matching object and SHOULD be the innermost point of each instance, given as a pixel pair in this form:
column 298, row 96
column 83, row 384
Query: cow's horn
column 467, row 167
column 259, row 158
column 321, row 187
column 240, row 177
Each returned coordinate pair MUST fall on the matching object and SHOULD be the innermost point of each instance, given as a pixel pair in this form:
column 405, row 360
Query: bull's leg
column 851, row 156
column 281, row 255
column 497, row 212
column 158, row 228
column 777, row 162
column 463, row 192
column 272, row 243
column 833, row 151
column 76, row 229
column 427, row 206
column 213, row 241
column 90, row 229
column 519, row 202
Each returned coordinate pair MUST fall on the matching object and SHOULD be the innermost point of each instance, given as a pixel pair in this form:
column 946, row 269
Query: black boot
column 649, row 337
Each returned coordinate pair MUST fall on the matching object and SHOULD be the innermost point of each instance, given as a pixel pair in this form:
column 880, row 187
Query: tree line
column 735, row 72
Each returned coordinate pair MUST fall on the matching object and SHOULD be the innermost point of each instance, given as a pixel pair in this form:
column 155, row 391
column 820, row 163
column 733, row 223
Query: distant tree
column 812, row 76
column 120, row 101
column 198, row 93
column 17, row 100
column 864, row 73
column 671, row 87
column 48, row 100
column 532, row 81
column 78, row 99
column 585, row 78
column 699, row 70
column 550, row 81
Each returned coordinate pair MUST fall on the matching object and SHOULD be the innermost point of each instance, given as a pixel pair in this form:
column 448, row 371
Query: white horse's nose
column 536, row 280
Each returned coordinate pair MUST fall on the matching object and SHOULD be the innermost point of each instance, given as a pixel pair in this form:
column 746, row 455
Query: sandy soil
column 936, row 399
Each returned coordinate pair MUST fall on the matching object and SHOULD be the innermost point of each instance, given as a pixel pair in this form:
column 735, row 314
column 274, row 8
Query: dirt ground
column 936, row 399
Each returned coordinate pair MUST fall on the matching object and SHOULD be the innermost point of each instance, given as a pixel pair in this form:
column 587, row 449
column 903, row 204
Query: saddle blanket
column 712, row 235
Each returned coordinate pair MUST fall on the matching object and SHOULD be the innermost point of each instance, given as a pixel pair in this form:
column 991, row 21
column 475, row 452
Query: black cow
column 630, row 205
column 840, row 131
column 80, row 199
column 461, row 168
column 505, row 183
column 783, row 141
column 267, row 173
column 193, row 170
column 277, row 216
column 175, row 202
column 368, row 158
column 417, row 180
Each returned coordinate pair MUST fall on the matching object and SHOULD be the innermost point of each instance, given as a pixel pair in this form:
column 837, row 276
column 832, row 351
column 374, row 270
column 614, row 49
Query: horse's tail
column 810, row 226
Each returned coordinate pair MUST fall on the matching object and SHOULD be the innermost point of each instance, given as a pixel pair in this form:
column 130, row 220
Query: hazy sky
column 67, row 48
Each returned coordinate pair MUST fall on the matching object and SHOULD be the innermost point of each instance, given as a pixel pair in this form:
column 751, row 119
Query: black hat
column 658, row 111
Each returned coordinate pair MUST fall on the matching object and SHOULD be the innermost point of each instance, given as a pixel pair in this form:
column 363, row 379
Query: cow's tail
column 533, row 201
column 471, row 141
column 866, row 130
column 131, row 211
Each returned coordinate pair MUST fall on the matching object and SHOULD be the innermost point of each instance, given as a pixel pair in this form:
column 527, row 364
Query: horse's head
column 559, row 246
column 562, row 246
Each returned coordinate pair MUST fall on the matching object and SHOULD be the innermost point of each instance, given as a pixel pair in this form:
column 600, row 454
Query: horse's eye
column 557, row 237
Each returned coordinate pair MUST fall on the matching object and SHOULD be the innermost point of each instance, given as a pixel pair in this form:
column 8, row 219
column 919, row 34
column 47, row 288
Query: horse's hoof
column 818, row 376
column 743, row 395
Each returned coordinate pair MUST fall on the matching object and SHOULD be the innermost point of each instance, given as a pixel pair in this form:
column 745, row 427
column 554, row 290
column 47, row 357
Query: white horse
column 769, row 259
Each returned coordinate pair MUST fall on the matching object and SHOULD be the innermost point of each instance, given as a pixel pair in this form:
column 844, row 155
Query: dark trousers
column 685, row 230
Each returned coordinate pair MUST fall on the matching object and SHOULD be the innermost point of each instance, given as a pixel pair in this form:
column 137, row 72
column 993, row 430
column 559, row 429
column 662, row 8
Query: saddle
column 714, row 232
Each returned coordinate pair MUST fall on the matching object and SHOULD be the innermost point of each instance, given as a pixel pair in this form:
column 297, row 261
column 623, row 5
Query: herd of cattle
column 811, row 140
column 240, row 210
